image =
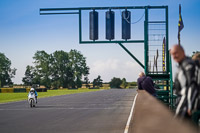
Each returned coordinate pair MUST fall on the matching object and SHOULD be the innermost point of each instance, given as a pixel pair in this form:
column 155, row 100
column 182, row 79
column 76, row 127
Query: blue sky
column 23, row 31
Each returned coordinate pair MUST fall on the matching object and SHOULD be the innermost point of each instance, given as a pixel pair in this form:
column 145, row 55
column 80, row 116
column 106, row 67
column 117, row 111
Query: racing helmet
column 32, row 89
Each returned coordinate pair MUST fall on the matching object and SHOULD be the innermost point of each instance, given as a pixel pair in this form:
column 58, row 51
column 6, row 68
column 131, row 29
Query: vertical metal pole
column 171, row 83
column 168, row 60
column 146, row 41
column 80, row 31
column 168, row 63
column 167, row 41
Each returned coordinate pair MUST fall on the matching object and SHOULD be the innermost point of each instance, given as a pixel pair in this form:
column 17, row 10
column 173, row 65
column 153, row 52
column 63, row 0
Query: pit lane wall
column 152, row 116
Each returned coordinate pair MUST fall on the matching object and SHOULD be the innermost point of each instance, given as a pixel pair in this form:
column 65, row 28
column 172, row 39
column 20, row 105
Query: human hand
column 189, row 112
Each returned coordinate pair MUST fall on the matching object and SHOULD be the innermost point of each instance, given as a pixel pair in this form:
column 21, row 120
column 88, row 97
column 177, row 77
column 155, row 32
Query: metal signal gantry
column 154, row 32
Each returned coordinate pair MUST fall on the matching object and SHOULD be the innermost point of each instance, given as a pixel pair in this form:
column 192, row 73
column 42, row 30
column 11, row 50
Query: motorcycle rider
column 33, row 90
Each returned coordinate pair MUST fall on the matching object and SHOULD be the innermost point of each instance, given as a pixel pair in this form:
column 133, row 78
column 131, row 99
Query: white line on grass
column 130, row 116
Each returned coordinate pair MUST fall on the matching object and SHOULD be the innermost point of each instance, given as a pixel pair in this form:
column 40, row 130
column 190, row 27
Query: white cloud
column 110, row 68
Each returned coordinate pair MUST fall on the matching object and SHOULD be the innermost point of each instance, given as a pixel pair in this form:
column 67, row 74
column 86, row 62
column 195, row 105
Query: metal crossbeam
column 102, row 8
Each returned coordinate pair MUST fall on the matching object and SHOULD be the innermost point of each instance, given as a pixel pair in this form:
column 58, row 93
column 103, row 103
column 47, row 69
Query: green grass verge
column 12, row 97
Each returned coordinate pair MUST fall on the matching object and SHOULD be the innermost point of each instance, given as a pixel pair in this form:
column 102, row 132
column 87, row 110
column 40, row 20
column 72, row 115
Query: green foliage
column 42, row 70
column 115, row 83
column 124, row 83
column 6, row 73
column 60, row 69
column 78, row 67
column 132, row 84
column 86, row 81
column 28, row 79
column 97, row 82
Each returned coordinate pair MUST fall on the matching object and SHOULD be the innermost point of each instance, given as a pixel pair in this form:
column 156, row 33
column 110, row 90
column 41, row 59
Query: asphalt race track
column 104, row 111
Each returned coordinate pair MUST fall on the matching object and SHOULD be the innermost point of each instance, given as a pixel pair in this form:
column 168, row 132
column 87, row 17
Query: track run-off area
column 105, row 111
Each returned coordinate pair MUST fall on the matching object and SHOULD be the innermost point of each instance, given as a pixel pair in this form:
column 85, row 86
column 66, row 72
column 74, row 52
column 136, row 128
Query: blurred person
column 185, row 84
column 196, row 114
column 146, row 83
column 196, row 58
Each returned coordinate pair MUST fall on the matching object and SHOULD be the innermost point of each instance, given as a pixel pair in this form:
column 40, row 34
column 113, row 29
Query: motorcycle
column 31, row 99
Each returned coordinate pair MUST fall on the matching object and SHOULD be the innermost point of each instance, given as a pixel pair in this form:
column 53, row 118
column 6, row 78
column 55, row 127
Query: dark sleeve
column 190, row 73
column 139, row 84
column 192, row 88
column 177, row 86
column 152, row 82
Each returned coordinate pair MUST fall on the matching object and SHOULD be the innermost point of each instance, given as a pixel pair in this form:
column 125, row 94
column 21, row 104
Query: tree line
column 6, row 73
column 59, row 69
column 55, row 70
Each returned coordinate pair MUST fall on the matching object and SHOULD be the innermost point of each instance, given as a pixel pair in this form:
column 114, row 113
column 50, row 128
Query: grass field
column 11, row 97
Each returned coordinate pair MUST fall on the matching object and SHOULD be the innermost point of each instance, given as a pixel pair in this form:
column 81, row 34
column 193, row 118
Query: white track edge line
column 130, row 116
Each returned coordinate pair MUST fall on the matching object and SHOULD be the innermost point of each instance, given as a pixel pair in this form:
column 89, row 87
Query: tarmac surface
column 152, row 116
column 104, row 111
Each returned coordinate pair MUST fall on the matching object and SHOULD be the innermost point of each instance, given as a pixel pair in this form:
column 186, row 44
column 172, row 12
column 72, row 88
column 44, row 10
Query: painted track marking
column 130, row 116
